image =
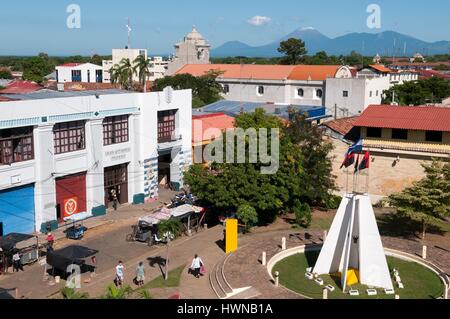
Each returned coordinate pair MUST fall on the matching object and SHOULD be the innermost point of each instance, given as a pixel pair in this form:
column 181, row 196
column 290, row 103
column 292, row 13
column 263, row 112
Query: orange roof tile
column 210, row 126
column 380, row 68
column 313, row 72
column 264, row 72
column 237, row 71
column 342, row 126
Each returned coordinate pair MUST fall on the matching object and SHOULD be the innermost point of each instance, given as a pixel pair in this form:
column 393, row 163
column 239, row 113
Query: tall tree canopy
column 428, row 199
column 205, row 89
column 432, row 90
column 294, row 51
column 304, row 171
column 36, row 68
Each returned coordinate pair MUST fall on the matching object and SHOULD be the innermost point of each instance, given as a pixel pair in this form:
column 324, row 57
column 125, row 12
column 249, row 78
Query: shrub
column 333, row 202
column 248, row 215
column 302, row 213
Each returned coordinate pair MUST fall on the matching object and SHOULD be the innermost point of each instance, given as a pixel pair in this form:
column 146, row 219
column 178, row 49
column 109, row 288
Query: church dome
column 195, row 36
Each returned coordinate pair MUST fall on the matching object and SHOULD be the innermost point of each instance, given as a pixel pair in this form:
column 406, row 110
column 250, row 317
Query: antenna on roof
column 128, row 26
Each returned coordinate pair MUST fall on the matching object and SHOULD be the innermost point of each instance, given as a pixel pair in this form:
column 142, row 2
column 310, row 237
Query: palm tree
column 113, row 292
column 125, row 72
column 142, row 69
column 168, row 230
column 115, row 74
column 69, row 293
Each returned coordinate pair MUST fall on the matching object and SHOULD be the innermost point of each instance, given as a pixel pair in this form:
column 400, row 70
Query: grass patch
column 173, row 281
column 420, row 282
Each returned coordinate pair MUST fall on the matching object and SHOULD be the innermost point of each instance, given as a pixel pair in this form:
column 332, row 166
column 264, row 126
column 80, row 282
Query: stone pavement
column 244, row 269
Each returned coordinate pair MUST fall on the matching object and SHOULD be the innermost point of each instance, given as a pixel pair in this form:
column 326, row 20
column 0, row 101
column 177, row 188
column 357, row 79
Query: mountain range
column 367, row 44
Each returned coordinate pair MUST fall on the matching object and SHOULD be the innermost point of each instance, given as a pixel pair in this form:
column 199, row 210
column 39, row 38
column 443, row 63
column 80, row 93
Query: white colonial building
column 65, row 153
column 117, row 56
column 79, row 72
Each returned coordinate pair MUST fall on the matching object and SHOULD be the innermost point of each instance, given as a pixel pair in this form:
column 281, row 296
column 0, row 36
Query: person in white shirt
column 197, row 264
column 120, row 274
column 16, row 262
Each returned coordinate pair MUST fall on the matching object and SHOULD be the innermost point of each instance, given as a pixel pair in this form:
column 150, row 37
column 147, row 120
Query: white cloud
column 259, row 21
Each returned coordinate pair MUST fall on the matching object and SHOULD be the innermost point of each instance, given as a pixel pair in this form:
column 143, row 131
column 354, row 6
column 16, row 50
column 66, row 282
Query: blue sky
column 29, row 26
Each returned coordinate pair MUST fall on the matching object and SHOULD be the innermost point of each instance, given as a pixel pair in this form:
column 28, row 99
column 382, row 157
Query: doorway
column 116, row 182
column 164, row 162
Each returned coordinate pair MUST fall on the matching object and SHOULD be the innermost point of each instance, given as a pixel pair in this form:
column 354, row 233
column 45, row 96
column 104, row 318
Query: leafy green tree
column 169, row 230
column 294, row 51
column 113, row 292
column 302, row 212
column 303, row 159
column 5, row 74
column 432, row 90
column 35, row 68
column 248, row 215
column 427, row 200
column 205, row 89
column 69, row 293
column 142, row 69
column 96, row 59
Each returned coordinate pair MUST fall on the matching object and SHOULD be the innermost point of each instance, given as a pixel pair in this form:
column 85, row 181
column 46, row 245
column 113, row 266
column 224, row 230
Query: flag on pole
column 350, row 155
column 349, row 160
column 357, row 165
column 365, row 163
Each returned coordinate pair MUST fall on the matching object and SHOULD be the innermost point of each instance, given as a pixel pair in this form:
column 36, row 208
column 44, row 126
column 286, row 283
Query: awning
column 157, row 217
column 61, row 259
column 10, row 241
column 184, row 210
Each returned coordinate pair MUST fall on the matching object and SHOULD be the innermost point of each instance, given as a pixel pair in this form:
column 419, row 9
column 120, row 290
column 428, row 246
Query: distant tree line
column 35, row 68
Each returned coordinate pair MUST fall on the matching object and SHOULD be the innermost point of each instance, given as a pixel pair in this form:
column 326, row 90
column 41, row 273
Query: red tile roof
column 380, row 68
column 421, row 118
column 431, row 73
column 264, row 72
column 21, row 87
column 210, row 126
column 342, row 126
column 67, row 65
column 5, row 99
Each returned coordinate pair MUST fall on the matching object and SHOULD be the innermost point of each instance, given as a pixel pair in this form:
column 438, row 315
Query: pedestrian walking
column 17, row 265
column 120, row 274
column 197, row 264
column 50, row 241
column 114, row 198
column 140, row 274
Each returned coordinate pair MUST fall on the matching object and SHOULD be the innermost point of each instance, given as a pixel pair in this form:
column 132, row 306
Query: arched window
column 260, row 90
column 300, row 92
column 319, row 93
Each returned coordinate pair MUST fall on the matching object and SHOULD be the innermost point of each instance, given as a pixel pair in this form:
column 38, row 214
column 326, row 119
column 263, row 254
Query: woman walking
column 140, row 274
column 197, row 264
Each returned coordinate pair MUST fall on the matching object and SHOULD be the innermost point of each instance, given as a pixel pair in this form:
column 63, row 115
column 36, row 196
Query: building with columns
column 192, row 50
column 66, row 153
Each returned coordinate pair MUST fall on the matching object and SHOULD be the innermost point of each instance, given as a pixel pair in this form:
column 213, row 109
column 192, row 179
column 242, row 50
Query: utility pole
column 128, row 26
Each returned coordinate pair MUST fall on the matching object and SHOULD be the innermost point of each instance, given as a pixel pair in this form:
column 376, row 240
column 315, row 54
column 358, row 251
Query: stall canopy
column 61, row 259
column 9, row 242
column 157, row 217
column 185, row 210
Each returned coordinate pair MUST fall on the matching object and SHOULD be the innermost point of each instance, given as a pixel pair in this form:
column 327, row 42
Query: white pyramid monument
column 354, row 243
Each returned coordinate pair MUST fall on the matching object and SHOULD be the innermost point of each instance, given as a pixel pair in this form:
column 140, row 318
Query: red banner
column 70, row 206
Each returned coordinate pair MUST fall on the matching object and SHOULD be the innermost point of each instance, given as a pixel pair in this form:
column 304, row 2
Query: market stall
column 24, row 244
column 61, row 259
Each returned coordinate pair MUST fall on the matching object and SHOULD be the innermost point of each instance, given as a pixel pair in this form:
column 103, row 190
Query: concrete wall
column 413, row 136
column 359, row 94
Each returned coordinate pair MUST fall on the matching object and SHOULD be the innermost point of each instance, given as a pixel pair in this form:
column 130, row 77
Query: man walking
column 16, row 262
column 120, row 274
column 197, row 264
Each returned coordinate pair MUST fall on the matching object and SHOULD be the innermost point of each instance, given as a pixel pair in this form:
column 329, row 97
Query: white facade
column 140, row 153
column 86, row 73
column 117, row 56
column 274, row 91
column 350, row 97
column 158, row 68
